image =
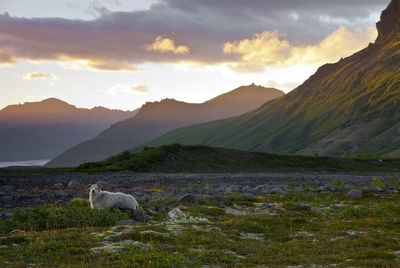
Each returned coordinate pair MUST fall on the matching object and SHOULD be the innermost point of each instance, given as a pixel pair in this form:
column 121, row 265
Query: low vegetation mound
column 192, row 158
column 77, row 213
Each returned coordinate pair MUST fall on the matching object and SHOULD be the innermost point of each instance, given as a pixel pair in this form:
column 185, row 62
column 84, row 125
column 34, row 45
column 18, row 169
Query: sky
column 122, row 53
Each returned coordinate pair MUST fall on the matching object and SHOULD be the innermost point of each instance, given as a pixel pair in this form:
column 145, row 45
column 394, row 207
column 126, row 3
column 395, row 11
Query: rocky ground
column 30, row 189
column 202, row 220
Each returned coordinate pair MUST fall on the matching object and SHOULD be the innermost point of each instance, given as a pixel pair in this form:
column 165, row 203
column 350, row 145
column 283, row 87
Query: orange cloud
column 6, row 58
column 119, row 89
column 39, row 76
column 269, row 49
column 167, row 45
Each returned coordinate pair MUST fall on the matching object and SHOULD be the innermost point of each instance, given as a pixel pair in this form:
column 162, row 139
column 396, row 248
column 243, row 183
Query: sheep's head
column 94, row 189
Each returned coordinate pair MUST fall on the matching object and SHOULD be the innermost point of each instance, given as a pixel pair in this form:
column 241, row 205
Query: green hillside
column 179, row 158
column 350, row 108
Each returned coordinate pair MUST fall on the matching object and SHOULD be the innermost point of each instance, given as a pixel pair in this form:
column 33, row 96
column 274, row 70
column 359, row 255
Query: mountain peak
column 53, row 100
column 390, row 20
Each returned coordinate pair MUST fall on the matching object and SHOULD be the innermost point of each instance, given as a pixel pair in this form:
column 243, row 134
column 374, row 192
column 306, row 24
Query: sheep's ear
column 88, row 186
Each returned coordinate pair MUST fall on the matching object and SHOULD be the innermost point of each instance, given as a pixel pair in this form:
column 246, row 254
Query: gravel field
column 30, row 189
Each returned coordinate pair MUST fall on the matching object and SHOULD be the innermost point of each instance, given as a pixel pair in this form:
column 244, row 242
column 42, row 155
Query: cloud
column 114, row 41
column 39, row 76
column 269, row 49
column 119, row 89
column 167, row 45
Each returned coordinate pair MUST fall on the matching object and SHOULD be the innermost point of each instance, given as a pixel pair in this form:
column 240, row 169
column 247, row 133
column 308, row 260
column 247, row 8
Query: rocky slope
column 155, row 119
column 351, row 107
column 41, row 130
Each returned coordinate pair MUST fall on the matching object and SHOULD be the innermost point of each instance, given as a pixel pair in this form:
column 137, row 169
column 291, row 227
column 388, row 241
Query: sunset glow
column 121, row 54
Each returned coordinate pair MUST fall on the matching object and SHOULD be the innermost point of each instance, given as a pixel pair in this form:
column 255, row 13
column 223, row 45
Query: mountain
column 350, row 108
column 42, row 130
column 157, row 118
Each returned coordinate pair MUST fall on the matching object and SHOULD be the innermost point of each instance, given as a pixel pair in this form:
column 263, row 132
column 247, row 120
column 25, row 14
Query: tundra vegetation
column 234, row 230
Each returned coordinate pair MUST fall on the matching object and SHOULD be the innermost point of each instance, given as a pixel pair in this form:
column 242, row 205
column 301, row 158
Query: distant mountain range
column 157, row 118
column 350, row 108
column 42, row 130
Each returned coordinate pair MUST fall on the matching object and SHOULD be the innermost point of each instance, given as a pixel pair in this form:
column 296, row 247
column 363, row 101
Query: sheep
column 102, row 199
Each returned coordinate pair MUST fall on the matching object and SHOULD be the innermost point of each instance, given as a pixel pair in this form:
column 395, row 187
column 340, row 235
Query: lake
column 24, row 163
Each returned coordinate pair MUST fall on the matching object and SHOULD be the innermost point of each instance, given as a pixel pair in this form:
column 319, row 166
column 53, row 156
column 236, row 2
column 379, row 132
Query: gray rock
column 5, row 215
column 248, row 196
column 176, row 213
column 119, row 246
column 6, row 199
column 189, row 198
column 126, row 222
column 59, row 202
column 104, row 185
column 152, row 233
column 260, row 189
column 247, row 189
column 301, row 207
column 267, row 205
column 145, row 198
column 151, row 211
column 227, row 202
column 73, row 184
column 140, row 215
column 39, row 201
column 335, row 188
column 17, row 232
column 232, row 189
column 58, row 186
column 355, row 194
column 275, row 190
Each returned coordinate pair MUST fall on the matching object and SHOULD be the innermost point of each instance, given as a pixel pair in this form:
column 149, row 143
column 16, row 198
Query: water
column 24, row 163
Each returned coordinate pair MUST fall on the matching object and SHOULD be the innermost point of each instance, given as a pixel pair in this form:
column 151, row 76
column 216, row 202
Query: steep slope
column 41, row 130
column 351, row 107
column 155, row 119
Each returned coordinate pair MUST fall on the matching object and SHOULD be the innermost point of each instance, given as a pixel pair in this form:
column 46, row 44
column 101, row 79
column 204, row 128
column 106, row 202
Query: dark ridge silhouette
column 41, row 130
column 157, row 118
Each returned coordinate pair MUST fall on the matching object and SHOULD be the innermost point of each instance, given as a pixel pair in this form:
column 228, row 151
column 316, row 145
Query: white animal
column 103, row 199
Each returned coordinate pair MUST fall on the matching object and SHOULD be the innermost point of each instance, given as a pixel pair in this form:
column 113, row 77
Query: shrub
column 79, row 203
column 76, row 214
column 377, row 183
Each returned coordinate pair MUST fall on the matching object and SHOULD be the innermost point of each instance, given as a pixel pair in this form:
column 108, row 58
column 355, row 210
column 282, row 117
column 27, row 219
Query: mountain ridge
column 41, row 130
column 157, row 118
column 351, row 107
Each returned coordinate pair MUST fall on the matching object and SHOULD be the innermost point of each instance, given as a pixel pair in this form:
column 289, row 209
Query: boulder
column 175, row 214
column 232, row 189
column 73, row 184
column 58, row 186
column 260, row 189
column 140, row 215
column 189, row 198
column 354, row 194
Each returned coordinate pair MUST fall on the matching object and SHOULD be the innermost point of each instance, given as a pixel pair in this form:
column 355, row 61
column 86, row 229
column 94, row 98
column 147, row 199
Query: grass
column 192, row 158
column 358, row 233
column 76, row 214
